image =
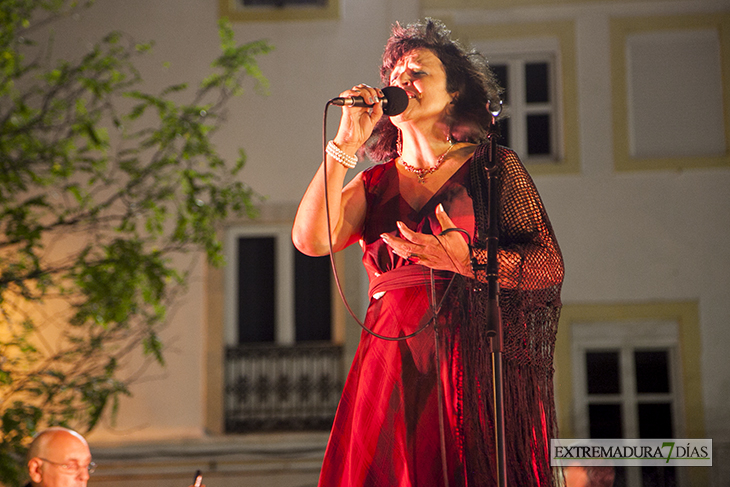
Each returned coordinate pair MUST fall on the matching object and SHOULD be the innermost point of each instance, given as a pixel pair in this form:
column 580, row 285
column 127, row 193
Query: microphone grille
column 397, row 100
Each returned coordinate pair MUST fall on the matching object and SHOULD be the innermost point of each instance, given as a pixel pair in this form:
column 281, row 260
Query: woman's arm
column 529, row 255
column 347, row 212
column 346, row 205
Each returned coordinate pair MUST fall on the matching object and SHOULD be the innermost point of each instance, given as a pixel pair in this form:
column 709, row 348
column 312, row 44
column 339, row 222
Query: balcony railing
column 271, row 387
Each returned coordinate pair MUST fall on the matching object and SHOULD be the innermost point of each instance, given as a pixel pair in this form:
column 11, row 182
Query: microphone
column 495, row 107
column 395, row 101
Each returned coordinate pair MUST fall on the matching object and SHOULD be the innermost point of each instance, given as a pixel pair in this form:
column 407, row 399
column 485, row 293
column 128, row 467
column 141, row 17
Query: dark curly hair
column 467, row 73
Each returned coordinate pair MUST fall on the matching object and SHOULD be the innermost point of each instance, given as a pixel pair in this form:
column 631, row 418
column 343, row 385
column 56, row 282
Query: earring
column 399, row 144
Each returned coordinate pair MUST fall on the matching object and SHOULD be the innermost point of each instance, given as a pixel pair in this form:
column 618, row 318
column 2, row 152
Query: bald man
column 589, row 476
column 59, row 457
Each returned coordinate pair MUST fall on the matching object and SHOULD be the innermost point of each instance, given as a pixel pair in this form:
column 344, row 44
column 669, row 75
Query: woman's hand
column 448, row 252
column 357, row 123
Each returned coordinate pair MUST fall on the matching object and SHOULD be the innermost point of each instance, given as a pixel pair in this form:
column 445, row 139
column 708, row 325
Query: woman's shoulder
column 505, row 155
column 505, row 151
column 376, row 173
column 502, row 150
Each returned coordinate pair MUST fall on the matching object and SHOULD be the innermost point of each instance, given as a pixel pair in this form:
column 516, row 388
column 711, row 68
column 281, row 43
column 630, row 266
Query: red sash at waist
column 406, row 276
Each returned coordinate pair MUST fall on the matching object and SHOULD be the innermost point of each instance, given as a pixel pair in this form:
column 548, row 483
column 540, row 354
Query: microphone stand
column 494, row 314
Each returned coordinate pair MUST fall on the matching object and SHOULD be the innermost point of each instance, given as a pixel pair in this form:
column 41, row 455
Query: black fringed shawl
column 530, row 277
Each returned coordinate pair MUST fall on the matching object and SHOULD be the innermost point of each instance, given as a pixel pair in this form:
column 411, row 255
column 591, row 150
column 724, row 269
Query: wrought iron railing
column 270, row 387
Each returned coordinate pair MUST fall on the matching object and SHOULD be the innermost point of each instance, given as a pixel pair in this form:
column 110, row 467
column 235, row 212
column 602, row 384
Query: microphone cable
column 433, row 307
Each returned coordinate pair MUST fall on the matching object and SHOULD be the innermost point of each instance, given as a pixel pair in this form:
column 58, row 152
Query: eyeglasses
column 72, row 468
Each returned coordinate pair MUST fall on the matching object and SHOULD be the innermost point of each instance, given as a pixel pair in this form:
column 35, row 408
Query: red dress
column 387, row 431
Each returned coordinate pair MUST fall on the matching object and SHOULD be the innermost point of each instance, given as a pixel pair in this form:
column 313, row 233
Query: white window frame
column 516, row 54
column 518, row 109
column 626, row 337
column 284, row 258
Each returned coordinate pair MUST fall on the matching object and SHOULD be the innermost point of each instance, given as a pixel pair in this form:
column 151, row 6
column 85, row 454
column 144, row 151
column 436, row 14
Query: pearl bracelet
column 341, row 156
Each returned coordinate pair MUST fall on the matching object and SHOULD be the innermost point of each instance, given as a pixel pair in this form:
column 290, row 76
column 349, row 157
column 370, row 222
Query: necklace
column 423, row 172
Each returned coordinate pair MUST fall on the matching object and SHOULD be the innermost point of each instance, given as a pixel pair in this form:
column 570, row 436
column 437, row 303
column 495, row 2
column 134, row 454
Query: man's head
column 59, row 457
column 589, row 476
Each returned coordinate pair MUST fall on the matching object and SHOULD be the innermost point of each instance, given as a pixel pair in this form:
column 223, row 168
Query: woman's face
column 421, row 74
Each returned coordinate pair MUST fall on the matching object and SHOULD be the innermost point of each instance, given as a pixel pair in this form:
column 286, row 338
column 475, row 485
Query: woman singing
column 418, row 411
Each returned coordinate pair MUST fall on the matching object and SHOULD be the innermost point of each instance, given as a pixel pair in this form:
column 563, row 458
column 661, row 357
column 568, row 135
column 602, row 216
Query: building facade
column 620, row 111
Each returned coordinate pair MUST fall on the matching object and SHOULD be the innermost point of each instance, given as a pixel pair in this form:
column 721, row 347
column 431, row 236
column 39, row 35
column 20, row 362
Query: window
column 671, row 327
column 627, row 387
column 282, row 371
column 282, row 3
column 657, row 63
column 277, row 10
column 274, row 293
column 529, row 102
column 538, row 66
